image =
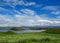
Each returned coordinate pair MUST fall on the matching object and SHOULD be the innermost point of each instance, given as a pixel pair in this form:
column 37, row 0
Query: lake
column 23, row 31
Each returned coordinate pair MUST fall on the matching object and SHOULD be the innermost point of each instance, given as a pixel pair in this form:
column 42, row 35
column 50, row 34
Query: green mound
column 9, row 32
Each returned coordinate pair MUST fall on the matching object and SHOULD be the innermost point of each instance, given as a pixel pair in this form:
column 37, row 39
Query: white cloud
column 53, row 8
column 5, row 11
column 28, row 12
column 3, row 25
column 16, row 11
column 31, row 3
column 46, row 21
column 26, row 3
column 45, row 16
column 5, row 20
column 32, row 20
column 57, row 17
column 23, row 19
column 13, row 3
column 56, row 12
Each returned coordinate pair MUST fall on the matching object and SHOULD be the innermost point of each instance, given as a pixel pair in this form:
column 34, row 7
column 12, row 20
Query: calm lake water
column 23, row 31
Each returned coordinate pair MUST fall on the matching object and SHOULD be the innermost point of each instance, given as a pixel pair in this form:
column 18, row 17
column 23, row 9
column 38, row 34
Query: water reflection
column 27, row 31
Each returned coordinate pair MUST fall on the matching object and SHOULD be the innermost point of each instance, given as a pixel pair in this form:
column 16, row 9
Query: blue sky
column 29, row 13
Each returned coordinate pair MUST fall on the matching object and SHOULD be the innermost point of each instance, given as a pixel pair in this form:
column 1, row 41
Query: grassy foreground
column 29, row 38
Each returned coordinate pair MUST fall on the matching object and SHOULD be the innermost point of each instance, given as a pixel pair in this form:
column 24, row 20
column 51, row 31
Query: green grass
column 49, row 36
column 29, row 38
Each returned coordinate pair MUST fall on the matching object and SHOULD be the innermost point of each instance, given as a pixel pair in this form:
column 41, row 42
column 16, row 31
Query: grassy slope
column 30, row 38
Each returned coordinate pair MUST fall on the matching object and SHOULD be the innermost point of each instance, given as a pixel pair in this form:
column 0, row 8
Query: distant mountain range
column 41, row 26
column 1, row 28
column 32, row 27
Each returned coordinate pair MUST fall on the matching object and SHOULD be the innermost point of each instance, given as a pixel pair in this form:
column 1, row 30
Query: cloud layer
column 25, row 16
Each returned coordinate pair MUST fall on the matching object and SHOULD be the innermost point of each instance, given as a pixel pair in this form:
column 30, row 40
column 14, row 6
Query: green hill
column 17, row 28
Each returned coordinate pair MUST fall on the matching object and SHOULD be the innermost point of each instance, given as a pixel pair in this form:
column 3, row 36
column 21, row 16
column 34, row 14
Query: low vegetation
column 29, row 38
column 56, row 31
